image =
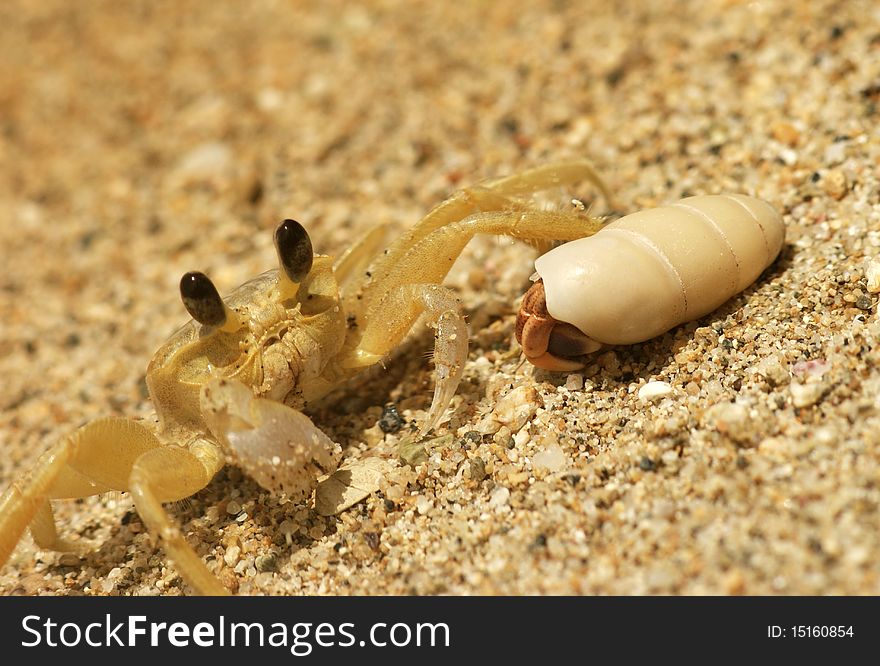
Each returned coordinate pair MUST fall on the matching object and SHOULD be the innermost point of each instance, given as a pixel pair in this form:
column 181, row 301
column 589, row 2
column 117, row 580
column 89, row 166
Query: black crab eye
column 294, row 250
column 201, row 300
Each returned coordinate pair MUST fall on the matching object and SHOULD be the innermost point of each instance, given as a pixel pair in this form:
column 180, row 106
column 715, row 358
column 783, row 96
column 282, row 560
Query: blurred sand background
column 139, row 140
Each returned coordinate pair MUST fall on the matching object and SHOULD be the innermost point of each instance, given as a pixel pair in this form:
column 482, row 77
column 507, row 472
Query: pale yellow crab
column 231, row 385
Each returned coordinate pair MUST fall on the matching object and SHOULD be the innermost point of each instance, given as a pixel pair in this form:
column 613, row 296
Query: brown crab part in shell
column 548, row 343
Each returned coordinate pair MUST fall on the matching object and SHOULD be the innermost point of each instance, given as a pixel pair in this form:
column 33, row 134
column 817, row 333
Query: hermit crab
column 644, row 274
column 232, row 385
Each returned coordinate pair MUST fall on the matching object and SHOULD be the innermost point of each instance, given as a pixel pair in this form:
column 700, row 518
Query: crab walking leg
column 352, row 264
column 22, row 500
column 169, row 474
column 494, row 195
column 96, row 458
column 450, row 354
column 45, row 533
column 429, row 261
column 459, row 206
column 550, row 175
column 393, row 319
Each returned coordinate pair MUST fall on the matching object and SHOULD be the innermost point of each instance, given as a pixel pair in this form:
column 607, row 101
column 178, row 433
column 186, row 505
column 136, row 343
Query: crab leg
column 96, row 458
column 494, row 195
column 391, row 321
column 429, row 260
column 364, row 287
column 412, row 288
column 353, row 263
column 23, row 499
column 550, row 175
column 113, row 454
column 168, row 474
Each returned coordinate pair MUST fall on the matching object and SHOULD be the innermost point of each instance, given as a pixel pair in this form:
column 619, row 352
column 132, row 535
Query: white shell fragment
column 349, row 485
column 652, row 270
column 654, row 391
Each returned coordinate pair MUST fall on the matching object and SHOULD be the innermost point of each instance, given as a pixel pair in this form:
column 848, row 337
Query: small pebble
column 517, row 407
column 500, row 497
column 69, row 560
column 574, row 382
column 521, row 438
column 266, row 562
column 471, row 438
column 786, row 133
column 231, row 555
column 835, row 184
column 814, row 368
column 423, row 505
column 731, row 419
column 487, row 426
column 654, row 391
column 372, row 539
column 233, row 508
column 835, row 153
column 773, row 370
column 391, row 421
column 477, row 469
column 806, row 395
column 552, row 458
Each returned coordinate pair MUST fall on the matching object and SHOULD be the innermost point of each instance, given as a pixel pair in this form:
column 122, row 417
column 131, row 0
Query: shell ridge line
column 712, row 223
column 645, row 242
column 751, row 213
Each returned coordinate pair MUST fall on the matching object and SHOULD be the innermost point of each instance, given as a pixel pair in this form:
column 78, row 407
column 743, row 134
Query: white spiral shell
column 655, row 269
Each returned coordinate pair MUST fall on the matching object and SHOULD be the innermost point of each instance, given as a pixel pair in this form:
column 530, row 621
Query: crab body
column 284, row 351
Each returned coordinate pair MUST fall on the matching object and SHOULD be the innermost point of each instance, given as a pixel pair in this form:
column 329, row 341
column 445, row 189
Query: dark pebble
column 391, row 421
column 647, row 464
column 372, row 539
column 477, row 469
column 471, row 437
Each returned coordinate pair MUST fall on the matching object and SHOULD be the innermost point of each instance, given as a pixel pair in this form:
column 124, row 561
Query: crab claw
column 279, row 447
column 548, row 343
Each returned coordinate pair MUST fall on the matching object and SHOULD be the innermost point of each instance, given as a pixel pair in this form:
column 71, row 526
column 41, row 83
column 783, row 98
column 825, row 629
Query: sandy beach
column 142, row 140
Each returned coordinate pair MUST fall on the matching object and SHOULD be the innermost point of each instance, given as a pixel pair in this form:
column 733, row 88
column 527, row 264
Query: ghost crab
column 231, row 385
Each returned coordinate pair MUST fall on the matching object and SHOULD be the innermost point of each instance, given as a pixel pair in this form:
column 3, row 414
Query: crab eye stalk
column 201, row 300
column 294, row 250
